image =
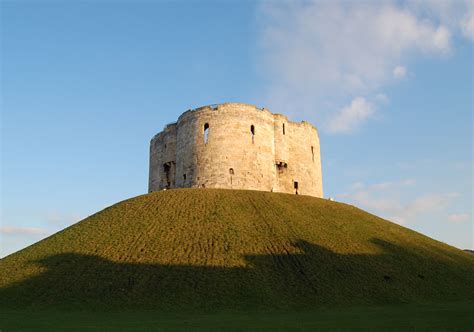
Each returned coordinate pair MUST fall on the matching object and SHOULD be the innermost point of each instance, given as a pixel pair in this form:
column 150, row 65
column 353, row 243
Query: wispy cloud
column 392, row 184
column 458, row 217
column 59, row 219
column 425, row 204
column 385, row 199
column 319, row 56
column 352, row 116
column 457, row 15
column 399, row 72
column 467, row 24
column 18, row 230
column 382, row 98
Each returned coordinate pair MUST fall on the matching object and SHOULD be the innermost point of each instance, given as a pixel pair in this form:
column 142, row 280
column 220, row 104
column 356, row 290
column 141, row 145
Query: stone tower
column 237, row 146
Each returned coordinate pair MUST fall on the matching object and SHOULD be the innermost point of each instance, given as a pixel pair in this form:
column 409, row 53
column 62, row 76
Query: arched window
column 231, row 172
column 283, row 129
column 206, row 132
column 312, row 152
column 252, row 131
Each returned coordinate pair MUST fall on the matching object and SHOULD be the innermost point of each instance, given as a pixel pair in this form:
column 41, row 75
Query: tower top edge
column 244, row 106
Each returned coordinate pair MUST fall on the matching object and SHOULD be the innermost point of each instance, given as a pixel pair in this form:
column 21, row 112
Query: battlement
column 220, row 107
column 236, row 146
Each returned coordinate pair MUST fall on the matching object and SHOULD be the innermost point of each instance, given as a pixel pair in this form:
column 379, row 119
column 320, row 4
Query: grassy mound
column 221, row 249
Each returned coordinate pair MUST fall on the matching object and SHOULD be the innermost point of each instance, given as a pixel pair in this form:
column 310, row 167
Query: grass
column 458, row 316
column 215, row 251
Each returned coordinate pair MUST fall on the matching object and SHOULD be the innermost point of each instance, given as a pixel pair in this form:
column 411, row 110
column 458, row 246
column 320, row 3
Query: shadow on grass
column 312, row 278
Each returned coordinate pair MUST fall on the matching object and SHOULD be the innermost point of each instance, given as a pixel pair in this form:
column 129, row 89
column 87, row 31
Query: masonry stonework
column 236, row 146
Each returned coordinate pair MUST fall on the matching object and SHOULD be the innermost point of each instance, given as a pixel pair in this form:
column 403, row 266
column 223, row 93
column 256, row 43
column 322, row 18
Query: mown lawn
column 457, row 316
column 221, row 250
column 248, row 259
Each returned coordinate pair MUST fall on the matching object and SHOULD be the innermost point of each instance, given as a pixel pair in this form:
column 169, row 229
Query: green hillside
column 222, row 249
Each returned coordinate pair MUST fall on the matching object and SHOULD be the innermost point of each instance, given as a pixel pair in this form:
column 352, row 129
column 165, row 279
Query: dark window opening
column 165, row 145
column 206, row 132
column 252, row 131
column 184, row 177
column 296, row 184
column 281, row 166
column 231, row 171
column 166, row 170
column 312, row 152
column 283, row 129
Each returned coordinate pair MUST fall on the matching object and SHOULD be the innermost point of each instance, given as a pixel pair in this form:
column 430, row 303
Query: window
column 184, row 177
column 231, row 171
column 206, row 132
column 283, row 129
column 312, row 152
column 166, row 170
column 296, row 185
column 281, row 166
column 252, row 131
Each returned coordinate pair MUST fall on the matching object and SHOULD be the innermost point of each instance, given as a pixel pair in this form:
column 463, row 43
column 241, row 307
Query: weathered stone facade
column 236, row 146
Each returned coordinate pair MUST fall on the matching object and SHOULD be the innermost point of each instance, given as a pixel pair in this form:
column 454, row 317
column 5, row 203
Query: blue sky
column 85, row 85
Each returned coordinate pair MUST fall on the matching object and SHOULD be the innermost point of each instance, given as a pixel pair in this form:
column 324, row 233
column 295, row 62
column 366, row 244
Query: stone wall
column 163, row 159
column 236, row 146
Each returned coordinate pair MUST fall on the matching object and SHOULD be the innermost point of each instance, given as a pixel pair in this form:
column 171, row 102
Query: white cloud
column 391, row 184
column 59, row 219
column 458, row 217
column 455, row 15
column 352, row 116
column 423, row 205
column 366, row 199
column 357, row 185
column 399, row 72
column 386, row 200
column 319, row 53
column 442, row 39
column 382, row 98
column 15, row 237
column 18, row 230
column 427, row 203
column 467, row 24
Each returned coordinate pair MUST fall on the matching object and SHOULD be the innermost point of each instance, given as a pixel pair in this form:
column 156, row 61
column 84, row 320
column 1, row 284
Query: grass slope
column 230, row 250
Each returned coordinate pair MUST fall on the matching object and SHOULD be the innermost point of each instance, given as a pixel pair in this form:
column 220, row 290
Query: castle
column 236, row 146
